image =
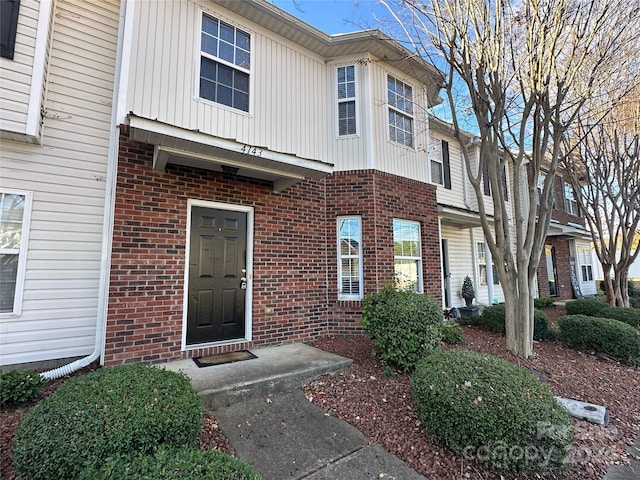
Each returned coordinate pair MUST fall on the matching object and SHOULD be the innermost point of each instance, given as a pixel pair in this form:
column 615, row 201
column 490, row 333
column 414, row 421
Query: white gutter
column 107, row 223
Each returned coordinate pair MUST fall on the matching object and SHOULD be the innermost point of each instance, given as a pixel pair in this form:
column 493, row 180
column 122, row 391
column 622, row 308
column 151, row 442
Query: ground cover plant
column 19, row 386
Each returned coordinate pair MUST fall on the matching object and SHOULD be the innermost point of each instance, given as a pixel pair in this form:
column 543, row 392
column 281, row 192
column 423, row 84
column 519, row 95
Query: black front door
column 217, row 276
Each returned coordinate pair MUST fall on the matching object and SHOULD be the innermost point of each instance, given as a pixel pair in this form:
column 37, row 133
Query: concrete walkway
column 271, row 424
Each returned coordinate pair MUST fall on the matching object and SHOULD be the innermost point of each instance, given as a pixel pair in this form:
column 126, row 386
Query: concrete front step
column 276, row 369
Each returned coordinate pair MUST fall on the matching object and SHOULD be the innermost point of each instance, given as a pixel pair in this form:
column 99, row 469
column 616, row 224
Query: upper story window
column 440, row 163
column 540, row 185
column 400, row 100
column 349, row 258
column 15, row 209
column 225, row 62
column 346, row 100
column 8, row 27
column 486, row 181
column 407, row 255
column 570, row 202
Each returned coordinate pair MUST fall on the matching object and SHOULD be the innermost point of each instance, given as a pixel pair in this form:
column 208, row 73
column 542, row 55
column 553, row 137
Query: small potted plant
column 467, row 292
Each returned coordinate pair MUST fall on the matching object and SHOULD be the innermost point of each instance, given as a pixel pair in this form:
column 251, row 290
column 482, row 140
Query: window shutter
column 8, row 26
column 485, row 179
column 446, row 165
column 506, row 183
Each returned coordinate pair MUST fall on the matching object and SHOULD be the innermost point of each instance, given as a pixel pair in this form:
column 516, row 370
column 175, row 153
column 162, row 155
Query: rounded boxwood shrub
column 20, row 385
column 543, row 302
column 490, row 410
column 604, row 335
column 630, row 316
column 492, row 318
column 403, row 325
column 186, row 463
column 586, row 306
column 114, row 410
column 452, row 333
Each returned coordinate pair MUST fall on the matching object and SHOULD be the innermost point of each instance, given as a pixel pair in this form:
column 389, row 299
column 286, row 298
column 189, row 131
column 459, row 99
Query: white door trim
column 249, row 295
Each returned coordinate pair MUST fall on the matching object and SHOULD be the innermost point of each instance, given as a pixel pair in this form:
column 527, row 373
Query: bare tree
column 528, row 67
column 604, row 170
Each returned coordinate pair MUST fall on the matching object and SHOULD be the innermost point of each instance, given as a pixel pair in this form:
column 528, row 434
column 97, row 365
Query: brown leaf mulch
column 382, row 407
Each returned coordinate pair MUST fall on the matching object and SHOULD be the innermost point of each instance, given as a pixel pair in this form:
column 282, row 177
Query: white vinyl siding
column 350, row 258
column 290, row 112
column 22, row 77
column 67, row 177
column 407, row 255
column 346, row 86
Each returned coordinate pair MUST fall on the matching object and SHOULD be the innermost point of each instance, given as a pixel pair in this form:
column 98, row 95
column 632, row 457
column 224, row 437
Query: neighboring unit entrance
column 217, row 276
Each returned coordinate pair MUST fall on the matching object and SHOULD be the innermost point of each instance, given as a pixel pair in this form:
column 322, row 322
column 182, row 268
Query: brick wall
column 562, row 251
column 378, row 198
column 148, row 261
column 294, row 251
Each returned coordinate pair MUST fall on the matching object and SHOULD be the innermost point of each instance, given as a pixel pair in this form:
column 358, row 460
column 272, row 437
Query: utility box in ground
column 469, row 312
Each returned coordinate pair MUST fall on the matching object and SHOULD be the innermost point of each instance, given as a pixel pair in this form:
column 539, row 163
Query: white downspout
column 107, row 224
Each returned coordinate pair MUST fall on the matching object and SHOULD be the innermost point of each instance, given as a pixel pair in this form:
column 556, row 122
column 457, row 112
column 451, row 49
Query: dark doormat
column 222, row 358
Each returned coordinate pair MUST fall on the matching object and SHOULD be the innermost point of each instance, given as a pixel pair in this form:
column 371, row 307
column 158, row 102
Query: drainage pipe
column 107, row 223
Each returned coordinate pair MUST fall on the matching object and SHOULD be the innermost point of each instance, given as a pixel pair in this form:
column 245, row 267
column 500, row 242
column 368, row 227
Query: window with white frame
column 15, row 210
column 570, row 202
column 225, row 62
column 407, row 255
column 586, row 264
column 349, row 258
column 346, row 100
column 540, row 185
column 481, row 257
column 440, row 163
column 400, row 100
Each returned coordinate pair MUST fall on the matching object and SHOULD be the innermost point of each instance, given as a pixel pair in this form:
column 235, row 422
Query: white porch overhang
column 180, row 146
column 557, row 229
column 459, row 217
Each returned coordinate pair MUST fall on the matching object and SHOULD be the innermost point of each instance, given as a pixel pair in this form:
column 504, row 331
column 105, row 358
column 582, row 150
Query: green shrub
column 626, row 315
column 404, row 326
column 186, row 463
column 126, row 409
column 493, row 319
column 488, row 409
column 543, row 302
column 604, row 335
column 20, row 386
column 587, row 306
column 452, row 333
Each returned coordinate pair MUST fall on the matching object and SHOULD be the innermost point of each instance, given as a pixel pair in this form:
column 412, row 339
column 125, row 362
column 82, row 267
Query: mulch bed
column 382, row 407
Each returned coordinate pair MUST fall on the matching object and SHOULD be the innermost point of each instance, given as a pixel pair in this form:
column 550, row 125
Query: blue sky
column 336, row 16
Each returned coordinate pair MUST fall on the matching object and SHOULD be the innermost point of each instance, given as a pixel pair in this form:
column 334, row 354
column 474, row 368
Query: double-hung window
column 586, row 265
column 349, row 258
column 570, row 202
column 440, row 163
column 407, row 255
column 225, row 62
column 15, row 209
column 346, row 100
column 400, row 100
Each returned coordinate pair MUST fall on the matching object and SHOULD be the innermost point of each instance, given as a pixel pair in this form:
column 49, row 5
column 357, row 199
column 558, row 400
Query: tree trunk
column 608, row 288
column 519, row 318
